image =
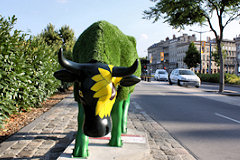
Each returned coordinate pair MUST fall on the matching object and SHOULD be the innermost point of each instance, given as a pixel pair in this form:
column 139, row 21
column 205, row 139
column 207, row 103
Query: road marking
column 220, row 115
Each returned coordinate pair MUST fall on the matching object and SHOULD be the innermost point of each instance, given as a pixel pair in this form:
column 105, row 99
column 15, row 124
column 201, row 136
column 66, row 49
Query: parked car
column 184, row 77
column 161, row 75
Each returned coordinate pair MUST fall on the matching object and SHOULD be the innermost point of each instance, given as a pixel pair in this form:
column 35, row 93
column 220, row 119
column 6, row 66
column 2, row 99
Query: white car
column 184, row 77
column 161, row 75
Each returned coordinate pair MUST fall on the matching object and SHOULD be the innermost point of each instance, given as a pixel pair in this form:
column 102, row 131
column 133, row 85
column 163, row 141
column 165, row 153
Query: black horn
column 125, row 71
column 69, row 65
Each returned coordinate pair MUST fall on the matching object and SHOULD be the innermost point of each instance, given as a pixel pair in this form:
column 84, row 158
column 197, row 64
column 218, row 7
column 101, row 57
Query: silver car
column 161, row 75
column 184, row 77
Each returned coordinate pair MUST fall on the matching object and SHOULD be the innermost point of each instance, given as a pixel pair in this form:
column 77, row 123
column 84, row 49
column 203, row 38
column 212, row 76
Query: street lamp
column 200, row 46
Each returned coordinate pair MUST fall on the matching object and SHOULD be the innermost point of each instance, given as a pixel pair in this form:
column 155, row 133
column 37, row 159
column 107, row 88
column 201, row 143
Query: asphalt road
column 205, row 123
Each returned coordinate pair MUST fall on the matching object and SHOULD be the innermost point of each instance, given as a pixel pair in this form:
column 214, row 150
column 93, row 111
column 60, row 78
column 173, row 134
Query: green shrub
column 232, row 79
column 26, row 70
column 214, row 78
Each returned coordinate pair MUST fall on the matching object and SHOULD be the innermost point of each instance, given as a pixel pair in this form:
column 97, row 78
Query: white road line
column 220, row 115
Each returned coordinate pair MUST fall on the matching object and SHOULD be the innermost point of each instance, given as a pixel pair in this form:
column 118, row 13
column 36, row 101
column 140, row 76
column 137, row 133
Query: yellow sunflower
column 104, row 88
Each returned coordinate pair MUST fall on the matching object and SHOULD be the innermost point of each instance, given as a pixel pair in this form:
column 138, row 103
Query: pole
column 200, row 46
column 210, row 61
column 200, row 52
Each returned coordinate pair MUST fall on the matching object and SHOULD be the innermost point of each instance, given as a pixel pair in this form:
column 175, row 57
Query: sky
column 34, row 15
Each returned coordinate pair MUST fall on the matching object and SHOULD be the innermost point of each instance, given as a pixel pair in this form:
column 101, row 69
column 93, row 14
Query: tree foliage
column 50, row 35
column 181, row 13
column 67, row 36
column 64, row 37
column 27, row 64
column 26, row 69
column 216, row 56
column 192, row 58
column 177, row 13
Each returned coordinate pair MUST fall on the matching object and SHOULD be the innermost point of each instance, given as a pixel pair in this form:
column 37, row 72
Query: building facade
column 175, row 50
column 207, row 48
column 237, row 42
column 230, row 62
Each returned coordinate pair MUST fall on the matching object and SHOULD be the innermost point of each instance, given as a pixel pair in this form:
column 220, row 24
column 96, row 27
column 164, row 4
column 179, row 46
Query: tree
column 67, row 36
column 180, row 13
column 50, row 35
column 64, row 37
column 192, row 58
column 216, row 57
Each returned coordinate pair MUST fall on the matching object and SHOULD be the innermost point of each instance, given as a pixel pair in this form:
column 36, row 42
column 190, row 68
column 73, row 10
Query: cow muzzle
column 96, row 126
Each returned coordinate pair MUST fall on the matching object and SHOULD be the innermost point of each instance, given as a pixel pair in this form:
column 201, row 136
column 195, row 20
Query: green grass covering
column 105, row 43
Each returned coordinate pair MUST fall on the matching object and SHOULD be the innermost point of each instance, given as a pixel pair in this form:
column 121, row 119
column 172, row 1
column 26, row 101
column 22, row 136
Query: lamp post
column 210, row 60
column 200, row 32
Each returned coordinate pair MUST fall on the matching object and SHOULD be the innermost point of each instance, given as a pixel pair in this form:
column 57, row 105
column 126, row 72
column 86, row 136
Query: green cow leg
column 125, row 114
column 117, row 124
column 81, row 143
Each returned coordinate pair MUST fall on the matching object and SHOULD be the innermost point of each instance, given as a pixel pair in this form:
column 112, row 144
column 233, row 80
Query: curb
column 226, row 84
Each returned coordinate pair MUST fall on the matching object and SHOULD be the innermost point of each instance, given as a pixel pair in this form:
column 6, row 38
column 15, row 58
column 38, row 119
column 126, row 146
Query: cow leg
column 125, row 106
column 81, row 143
column 116, row 115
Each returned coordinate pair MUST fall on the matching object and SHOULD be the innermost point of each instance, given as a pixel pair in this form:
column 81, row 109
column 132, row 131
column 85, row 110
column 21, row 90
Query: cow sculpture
column 104, row 63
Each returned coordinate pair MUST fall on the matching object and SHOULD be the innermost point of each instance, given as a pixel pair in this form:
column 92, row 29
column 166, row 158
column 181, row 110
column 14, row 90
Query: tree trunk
column 221, row 80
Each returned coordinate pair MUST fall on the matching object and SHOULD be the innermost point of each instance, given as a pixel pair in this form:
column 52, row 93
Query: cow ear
column 65, row 75
column 129, row 81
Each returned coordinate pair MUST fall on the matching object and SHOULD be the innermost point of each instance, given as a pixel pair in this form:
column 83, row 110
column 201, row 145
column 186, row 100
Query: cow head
column 97, row 85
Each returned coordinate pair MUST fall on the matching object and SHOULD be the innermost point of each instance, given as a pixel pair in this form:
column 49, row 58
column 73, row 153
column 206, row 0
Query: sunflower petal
column 99, row 85
column 106, row 74
column 97, row 78
column 105, row 91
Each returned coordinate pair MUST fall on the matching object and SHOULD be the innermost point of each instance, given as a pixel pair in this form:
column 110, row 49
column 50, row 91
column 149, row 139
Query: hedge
column 27, row 65
column 214, row 78
column 232, row 79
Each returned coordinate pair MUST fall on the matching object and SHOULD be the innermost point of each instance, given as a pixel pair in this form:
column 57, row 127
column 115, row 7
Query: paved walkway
column 48, row 136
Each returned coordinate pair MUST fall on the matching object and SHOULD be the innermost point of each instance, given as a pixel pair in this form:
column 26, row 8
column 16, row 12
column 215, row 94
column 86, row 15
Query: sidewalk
column 50, row 134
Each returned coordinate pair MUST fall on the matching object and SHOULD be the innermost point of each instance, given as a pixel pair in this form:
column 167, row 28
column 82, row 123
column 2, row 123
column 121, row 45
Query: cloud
column 62, row 1
column 144, row 36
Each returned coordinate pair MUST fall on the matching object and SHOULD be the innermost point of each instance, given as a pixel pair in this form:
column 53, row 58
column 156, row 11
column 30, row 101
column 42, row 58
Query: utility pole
column 200, row 32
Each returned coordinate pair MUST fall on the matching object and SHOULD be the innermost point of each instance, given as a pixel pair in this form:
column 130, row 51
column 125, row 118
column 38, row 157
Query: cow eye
column 80, row 94
column 81, row 97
